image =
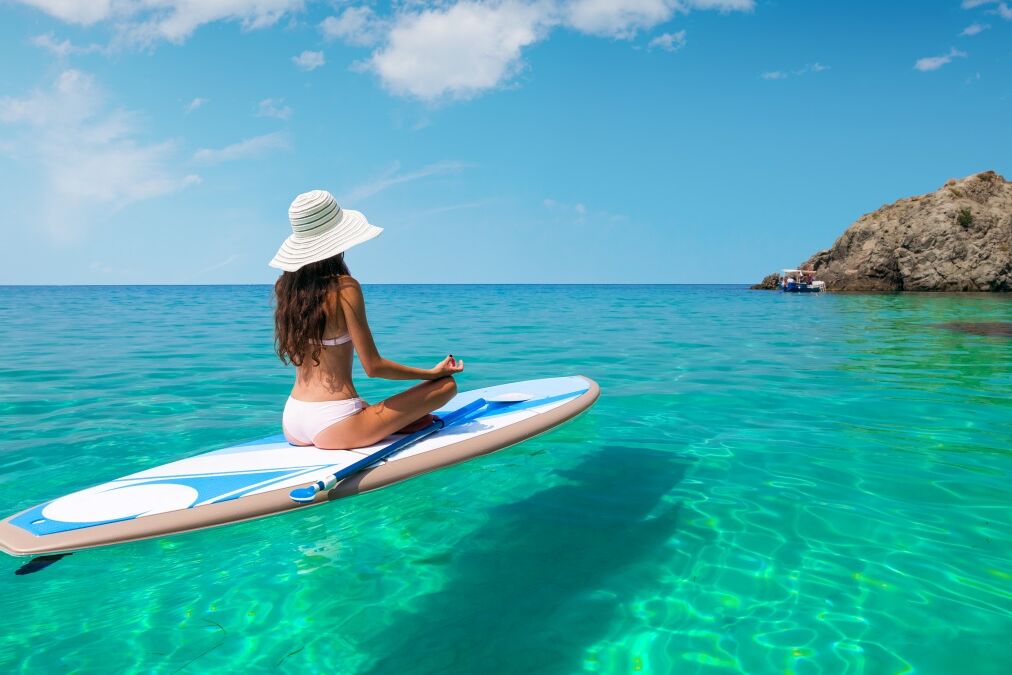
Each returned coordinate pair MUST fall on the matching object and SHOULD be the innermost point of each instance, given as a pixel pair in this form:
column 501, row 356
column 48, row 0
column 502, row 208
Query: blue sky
column 161, row 141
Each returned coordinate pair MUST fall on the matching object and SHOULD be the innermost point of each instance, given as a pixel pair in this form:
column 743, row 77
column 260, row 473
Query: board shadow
column 541, row 581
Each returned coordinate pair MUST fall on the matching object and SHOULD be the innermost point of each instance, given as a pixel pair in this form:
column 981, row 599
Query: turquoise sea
column 768, row 484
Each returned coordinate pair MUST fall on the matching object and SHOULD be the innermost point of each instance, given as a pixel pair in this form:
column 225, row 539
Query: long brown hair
column 300, row 312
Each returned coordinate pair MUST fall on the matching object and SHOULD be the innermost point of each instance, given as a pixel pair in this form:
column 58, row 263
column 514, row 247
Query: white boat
column 801, row 281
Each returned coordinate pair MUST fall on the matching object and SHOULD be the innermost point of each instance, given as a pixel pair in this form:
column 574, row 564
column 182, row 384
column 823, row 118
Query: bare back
column 330, row 380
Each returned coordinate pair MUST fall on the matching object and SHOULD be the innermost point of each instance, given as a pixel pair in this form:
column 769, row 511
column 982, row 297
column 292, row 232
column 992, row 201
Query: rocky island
column 957, row 238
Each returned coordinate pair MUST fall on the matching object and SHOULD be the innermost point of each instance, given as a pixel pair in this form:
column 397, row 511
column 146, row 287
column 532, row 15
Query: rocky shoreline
column 958, row 238
column 770, row 282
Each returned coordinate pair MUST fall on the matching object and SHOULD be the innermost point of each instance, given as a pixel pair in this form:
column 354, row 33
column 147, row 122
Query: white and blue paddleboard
column 254, row 480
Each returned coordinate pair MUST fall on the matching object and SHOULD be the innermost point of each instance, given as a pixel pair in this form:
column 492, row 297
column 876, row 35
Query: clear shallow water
column 768, row 484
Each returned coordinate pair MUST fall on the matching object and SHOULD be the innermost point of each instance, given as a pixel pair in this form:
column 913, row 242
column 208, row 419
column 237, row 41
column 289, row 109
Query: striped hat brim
column 299, row 250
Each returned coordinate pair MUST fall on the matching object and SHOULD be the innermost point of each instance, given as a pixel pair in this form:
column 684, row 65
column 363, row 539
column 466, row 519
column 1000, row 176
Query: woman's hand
column 448, row 366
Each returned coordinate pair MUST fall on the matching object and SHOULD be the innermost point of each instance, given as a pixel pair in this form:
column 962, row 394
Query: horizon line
column 436, row 283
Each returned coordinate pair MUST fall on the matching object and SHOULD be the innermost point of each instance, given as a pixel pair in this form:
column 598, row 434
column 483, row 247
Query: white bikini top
column 334, row 341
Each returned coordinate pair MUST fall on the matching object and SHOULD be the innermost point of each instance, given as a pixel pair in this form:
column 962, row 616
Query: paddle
column 305, row 495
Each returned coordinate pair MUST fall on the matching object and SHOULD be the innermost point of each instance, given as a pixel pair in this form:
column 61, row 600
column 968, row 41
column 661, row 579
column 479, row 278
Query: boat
column 801, row 281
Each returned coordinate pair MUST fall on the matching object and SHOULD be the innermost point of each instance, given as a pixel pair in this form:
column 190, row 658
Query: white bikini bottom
column 303, row 420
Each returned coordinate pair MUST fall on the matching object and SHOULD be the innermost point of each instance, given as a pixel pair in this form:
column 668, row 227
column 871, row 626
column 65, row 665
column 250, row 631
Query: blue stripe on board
column 245, row 491
column 33, row 522
column 534, row 403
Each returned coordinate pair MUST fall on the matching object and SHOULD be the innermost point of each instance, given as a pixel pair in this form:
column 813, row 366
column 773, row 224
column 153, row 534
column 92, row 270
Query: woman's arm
column 353, row 307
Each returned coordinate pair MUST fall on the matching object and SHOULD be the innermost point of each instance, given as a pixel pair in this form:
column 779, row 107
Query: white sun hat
column 320, row 229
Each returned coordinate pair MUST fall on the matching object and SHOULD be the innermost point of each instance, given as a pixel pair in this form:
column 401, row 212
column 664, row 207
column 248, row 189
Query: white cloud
column 458, row 51
column 579, row 213
column 462, row 48
column 617, row 18
column 250, row 147
column 811, row 68
column 1002, row 9
column 974, row 29
column 670, row 42
column 274, row 107
column 194, row 104
column 175, row 20
column 722, row 5
column 145, row 21
column 91, row 159
column 85, row 12
column 392, row 177
column 49, row 43
column 804, row 70
column 929, row 63
column 308, row 60
column 63, row 48
column 576, row 213
column 622, row 19
column 357, row 26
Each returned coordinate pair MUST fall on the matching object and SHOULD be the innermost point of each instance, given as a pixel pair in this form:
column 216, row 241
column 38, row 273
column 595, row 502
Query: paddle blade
column 303, row 495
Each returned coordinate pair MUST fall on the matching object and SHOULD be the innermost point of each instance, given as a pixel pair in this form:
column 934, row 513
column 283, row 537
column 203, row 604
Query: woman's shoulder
column 348, row 286
column 348, row 280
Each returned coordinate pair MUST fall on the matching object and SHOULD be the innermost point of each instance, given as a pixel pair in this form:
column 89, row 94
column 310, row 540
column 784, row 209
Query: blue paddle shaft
column 306, row 494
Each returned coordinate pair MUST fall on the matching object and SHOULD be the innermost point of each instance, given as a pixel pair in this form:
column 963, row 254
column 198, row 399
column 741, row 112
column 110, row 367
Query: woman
column 320, row 319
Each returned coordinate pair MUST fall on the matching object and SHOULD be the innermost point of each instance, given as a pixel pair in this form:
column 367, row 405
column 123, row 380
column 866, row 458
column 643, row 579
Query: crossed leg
column 401, row 412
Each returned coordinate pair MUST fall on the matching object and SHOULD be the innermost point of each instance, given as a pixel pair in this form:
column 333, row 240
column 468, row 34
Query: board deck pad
column 212, row 488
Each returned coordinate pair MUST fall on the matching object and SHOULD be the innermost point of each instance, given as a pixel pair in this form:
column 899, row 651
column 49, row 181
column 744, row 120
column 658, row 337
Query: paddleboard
column 254, row 480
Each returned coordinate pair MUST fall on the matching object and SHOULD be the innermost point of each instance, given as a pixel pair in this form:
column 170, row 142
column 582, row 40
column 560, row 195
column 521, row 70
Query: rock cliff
column 955, row 239
column 770, row 282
